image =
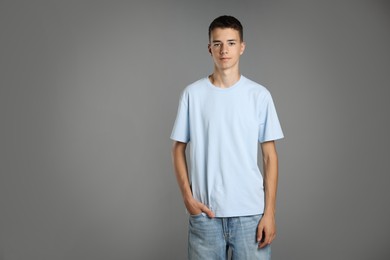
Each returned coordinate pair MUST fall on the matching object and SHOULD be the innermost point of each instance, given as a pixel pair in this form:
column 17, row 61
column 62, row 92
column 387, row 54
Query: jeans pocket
column 197, row 215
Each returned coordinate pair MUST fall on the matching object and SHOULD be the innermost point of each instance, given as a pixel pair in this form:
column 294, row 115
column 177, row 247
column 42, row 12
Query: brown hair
column 226, row 21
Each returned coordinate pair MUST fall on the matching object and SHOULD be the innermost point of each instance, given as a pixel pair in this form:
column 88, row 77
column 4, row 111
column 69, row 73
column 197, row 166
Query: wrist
column 269, row 212
column 188, row 199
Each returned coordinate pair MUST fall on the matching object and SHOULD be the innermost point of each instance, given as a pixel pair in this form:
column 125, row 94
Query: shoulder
column 257, row 89
column 195, row 87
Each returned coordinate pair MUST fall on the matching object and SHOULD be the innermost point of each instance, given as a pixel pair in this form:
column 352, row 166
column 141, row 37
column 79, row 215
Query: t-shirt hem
column 219, row 214
column 272, row 139
column 179, row 139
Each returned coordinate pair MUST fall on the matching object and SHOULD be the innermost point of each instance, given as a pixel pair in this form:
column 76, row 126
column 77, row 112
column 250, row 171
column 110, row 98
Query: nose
column 224, row 49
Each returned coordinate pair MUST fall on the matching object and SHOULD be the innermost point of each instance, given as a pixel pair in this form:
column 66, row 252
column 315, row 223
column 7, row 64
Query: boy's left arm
column 266, row 230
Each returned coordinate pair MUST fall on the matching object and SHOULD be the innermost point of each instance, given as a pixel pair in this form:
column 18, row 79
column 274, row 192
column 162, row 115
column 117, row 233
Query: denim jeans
column 211, row 238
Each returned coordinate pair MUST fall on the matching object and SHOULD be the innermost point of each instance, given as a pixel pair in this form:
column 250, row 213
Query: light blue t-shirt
column 223, row 127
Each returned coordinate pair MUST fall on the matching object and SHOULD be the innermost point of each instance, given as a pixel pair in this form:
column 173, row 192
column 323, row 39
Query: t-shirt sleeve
column 181, row 127
column 270, row 128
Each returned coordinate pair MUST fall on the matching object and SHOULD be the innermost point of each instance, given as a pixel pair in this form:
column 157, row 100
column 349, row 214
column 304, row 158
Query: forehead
column 224, row 34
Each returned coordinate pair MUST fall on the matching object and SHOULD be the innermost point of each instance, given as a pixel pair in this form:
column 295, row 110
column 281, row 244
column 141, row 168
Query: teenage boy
column 224, row 116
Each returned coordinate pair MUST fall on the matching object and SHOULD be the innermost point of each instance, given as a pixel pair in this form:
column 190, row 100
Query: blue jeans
column 211, row 238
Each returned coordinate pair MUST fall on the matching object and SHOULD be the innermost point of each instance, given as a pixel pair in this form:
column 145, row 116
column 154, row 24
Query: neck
column 224, row 79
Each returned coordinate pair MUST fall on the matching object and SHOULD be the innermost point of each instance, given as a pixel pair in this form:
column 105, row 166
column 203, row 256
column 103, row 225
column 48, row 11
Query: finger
column 272, row 238
column 208, row 212
column 266, row 239
column 263, row 244
column 259, row 234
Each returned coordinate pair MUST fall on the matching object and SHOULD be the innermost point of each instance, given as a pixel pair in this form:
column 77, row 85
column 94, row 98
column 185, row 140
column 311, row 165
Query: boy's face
column 225, row 47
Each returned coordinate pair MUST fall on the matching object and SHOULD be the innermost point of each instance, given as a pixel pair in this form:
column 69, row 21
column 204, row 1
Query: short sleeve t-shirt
column 223, row 127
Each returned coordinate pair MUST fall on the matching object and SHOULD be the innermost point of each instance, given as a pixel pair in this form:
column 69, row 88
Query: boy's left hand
column 266, row 230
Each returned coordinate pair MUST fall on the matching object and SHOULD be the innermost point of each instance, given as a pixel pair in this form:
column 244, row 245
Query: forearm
column 270, row 169
column 266, row 231
column 181, row 171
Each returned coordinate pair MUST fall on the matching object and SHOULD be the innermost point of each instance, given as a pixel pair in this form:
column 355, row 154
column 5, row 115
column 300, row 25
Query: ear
column 209, row 48
column 242, row 48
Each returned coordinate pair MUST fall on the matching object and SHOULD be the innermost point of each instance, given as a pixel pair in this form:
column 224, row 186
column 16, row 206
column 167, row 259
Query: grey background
column 89, row 94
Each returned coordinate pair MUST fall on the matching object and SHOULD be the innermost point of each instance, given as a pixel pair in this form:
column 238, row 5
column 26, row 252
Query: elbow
column 270, row 158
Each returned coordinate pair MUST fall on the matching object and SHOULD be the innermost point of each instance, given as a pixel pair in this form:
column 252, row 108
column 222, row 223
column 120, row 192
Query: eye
column 217, row 44
column 232, row 43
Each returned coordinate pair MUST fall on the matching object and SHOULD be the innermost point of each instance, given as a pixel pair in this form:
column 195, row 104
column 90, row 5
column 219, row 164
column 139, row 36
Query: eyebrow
column 232, row 40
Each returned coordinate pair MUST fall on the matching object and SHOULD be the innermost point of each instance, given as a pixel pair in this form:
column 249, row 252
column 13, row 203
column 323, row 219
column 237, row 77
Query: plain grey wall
column 89, row 93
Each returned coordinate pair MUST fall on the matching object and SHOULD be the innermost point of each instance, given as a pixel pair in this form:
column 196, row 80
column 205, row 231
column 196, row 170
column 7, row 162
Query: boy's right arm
column 179, row 161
